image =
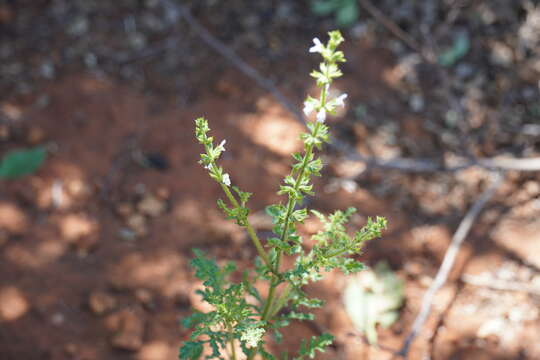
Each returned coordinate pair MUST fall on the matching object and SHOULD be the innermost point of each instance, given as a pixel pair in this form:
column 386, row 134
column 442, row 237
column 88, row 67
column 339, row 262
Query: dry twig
column 498, row 284
column 396, row 30
column 448, row 262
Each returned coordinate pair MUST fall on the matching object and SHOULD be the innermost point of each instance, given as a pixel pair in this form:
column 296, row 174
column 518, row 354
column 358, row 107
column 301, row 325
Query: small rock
column 501, row 54
column 163, row 193
column 78, row 26
column 11, row 111
column 151, row 206
column 127, row 234
column 13, row 220
column 532, row 188
column 77, row 227
column 13, row 304
column 156, row 350
column 4, row 132
column 58, row 319
column 464, row 70
column 416, row 102
column 6, row 14
column 137, row 223
column 129, row 330
column 71, row 349
column 413, row 268
column 145, row 297
column 47, row 70
column 495, row 326
column 425, row 281
column 3, row 238
column 125, row 209
column 101, row 302
column 35, row 135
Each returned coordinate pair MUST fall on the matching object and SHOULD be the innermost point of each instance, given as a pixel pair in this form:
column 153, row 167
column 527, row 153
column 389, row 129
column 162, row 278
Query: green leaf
column 193, row 320
column 191, row 350
column 374, row 297
column 207, row 270
column 347, row 14
column 317, row 343
column 456, row 52
column 18, row 163
column 324, row 7
column 300, row 316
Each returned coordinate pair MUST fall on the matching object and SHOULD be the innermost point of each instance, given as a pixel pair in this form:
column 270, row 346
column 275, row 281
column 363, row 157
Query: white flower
column 252, row 336
column 321, row 115
column 208, row 167
column 340, row 100
column 308, row 107
column 319, row 47
column 222, row 145
column 226, row 179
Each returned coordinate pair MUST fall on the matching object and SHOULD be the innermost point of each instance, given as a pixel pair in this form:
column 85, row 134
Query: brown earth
column 95, row 247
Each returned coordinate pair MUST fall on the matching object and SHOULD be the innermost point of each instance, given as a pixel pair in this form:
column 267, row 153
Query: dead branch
column 237, row 61
column 448, row 262
column 396, row 30
column 498, row 284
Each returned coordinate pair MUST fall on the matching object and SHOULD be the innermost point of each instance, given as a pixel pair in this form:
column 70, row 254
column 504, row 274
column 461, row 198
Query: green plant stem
column 251, row 232
column 281, row 300
column 268, row 305
column 249, row 228
column 231, row 342
column 269, row 311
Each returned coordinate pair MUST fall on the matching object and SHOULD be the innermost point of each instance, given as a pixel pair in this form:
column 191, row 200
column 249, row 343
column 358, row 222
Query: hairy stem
column 231, row 342
column 251, row 232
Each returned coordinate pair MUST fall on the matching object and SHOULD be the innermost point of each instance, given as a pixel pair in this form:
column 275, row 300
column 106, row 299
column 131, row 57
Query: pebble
column 129, row 330
column 13, row 304
column 35, row 135
column 151, row 206
column 137, row 223
column 101, row 302
column 125, row 209
column 416, row 102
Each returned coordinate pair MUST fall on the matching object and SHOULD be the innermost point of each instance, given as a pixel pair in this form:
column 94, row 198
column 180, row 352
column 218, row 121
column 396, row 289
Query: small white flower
column 222, row 144
column 208, row 167
column 319, row 47
column 321, row 115
column 226, row 179
column 340, row 100
column 252, row 336
column 308, row 107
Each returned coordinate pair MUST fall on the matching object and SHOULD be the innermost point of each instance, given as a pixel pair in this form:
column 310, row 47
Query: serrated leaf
column 193, row 320
column 300, row 316
column 316, row 343
column 18, row 163
column 191, row 350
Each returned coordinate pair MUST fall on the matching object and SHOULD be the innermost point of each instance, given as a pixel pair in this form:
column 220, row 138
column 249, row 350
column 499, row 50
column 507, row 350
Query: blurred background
column 102, row 199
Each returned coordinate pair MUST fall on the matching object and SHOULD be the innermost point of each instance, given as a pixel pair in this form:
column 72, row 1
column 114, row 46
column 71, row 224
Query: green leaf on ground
column 18, row 163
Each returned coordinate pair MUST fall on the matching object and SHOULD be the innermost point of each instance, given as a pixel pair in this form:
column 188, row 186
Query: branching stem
column 251, row 232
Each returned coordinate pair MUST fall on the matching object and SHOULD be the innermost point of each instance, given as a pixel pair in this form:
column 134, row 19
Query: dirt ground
column 95, row 247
